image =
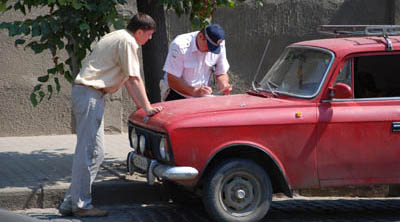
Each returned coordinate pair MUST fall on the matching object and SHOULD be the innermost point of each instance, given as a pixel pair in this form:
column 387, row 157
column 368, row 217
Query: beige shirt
column 113, row 60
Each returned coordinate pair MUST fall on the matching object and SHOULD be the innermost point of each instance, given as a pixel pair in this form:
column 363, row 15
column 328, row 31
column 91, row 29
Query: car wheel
column 237, row 190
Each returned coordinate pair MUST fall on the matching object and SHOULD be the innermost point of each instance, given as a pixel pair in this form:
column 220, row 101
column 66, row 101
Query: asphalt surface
column 282, row 210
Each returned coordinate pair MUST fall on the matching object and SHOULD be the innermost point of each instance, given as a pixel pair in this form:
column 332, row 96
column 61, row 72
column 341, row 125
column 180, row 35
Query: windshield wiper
column 260, row 92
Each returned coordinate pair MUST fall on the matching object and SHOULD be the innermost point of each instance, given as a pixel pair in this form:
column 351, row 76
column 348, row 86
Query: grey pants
column 88, row 108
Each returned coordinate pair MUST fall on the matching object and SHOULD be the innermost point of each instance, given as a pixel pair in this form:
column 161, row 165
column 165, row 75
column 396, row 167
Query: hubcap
column 238, row 193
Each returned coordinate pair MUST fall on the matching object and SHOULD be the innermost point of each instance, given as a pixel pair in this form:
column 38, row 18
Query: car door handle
column 395, row 126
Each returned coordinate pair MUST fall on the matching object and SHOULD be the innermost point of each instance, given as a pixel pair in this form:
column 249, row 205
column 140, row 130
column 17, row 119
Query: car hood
column 178, row 110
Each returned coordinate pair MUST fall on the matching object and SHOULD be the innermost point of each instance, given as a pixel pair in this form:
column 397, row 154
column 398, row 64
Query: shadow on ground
column 40, row 167
column 341, row 210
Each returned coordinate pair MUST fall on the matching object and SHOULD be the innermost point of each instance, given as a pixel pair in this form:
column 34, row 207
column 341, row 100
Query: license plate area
column 141, row 162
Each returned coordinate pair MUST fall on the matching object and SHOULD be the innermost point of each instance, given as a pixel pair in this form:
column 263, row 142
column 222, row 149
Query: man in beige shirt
column 112, row 63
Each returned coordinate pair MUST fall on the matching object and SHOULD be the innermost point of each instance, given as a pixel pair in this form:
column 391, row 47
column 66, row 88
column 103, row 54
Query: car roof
column 349, row 45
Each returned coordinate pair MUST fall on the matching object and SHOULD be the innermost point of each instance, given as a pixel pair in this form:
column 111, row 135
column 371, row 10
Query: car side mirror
column 340, row 91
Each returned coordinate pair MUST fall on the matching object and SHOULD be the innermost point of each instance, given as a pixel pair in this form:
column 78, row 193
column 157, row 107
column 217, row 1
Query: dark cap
column 214, row 35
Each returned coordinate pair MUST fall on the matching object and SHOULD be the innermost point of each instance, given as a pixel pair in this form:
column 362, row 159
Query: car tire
column 129, row 164
column 237, row 190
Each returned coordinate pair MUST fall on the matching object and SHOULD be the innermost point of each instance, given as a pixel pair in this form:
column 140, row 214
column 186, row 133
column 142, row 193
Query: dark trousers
column 172, row 95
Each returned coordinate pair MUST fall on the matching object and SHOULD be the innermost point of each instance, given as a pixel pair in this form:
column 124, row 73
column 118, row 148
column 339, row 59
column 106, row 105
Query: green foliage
column 70, row 25
column 73, row 25
column 200, row 11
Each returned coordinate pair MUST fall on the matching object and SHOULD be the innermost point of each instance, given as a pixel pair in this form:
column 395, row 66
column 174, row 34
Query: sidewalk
column 36, row 171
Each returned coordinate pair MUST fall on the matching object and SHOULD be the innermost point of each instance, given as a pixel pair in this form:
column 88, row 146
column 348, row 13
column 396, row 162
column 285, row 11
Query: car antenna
column 259, row 66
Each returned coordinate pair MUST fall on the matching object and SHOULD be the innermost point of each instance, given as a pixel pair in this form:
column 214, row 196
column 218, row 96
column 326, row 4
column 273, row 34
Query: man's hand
column 202, row 91
column 153, row 110
column 223, row 84
column 226, row 89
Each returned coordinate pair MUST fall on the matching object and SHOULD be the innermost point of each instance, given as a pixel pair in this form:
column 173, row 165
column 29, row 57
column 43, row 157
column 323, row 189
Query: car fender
column 224, row 148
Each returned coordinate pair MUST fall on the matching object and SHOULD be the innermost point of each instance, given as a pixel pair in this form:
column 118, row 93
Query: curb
column 368, row 191
column 109, row 192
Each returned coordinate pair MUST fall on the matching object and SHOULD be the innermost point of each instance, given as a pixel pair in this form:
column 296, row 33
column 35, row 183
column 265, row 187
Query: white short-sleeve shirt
column 113, row 60
column 185, row 61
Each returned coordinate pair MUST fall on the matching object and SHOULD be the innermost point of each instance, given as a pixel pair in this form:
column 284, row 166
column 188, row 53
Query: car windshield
column 298, row 72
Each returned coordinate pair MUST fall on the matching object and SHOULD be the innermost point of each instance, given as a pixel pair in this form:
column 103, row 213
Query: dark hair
column 141, row 21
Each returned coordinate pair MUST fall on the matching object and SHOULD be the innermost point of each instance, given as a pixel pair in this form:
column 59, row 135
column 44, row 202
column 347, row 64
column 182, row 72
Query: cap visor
column 212, row 48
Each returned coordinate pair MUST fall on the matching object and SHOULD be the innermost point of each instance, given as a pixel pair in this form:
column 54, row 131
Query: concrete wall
column 247, row 26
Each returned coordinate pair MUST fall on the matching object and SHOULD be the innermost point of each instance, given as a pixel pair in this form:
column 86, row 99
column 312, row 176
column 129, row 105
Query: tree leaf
column 119, row 24
column 77, row 5
column 52, row 71
column 41, row 95
column 33, row 99
column 53, row 24
column 13, row 30
column 25, row 29
column 36, row 47
column 60, row 44
column 4, row 25
column 50, row 90
column 43, row 78
column 35, row 29
column 19, row 42
column 68, row 77
column 3, row 6
column 62, row 2
column 37, row 87
column 44, row 28
column 58, row 86
column 84, row 26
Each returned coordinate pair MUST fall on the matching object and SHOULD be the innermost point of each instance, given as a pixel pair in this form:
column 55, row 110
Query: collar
column 193, row 43
column 136, row 44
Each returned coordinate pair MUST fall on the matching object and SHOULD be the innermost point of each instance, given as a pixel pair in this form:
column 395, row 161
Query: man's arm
column 136, row 90
column 223, row 83
column 179, row 85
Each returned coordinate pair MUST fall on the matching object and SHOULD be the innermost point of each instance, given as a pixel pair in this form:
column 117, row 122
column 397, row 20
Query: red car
column 326, row 114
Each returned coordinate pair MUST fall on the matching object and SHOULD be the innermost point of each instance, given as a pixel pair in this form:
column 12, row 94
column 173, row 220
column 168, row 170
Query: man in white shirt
column 192, row 60
column 112, row 63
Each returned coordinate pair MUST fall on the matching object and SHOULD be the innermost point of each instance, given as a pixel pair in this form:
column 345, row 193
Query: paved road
column 283, row 210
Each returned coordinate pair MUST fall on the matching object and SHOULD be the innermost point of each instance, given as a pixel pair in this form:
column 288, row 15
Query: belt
column 100, row 90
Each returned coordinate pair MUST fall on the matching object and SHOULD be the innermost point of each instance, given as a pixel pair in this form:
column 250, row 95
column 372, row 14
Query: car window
column 299, row 71
column 346, row 73
column 376, row 76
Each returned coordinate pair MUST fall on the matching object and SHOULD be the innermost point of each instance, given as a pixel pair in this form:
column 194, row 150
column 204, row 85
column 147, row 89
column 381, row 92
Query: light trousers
column 88, row 108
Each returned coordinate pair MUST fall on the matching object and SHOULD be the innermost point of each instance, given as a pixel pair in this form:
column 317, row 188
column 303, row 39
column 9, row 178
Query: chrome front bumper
column 154, row 169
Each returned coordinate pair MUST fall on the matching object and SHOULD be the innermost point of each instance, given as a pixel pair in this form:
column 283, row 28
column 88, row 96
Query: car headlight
column 134, row 139
column 142, row 143
column 164, row 149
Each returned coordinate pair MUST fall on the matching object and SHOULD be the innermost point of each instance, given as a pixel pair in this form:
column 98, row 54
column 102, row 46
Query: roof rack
column 359, row 30
column 362, row 30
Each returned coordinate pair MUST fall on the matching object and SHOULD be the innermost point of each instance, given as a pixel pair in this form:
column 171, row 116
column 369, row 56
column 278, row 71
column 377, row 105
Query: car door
column 358, row 137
